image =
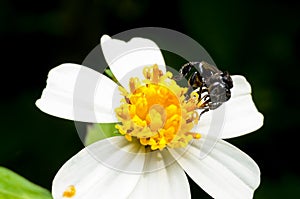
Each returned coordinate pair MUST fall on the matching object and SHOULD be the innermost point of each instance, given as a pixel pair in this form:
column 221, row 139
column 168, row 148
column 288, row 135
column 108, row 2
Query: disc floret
column 155, row 111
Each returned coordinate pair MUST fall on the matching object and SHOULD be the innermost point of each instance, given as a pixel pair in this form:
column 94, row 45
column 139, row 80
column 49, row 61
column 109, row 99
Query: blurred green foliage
column 13, row 186
column 258, row 39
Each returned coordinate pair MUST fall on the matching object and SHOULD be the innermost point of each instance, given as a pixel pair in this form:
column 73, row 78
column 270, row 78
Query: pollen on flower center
column 155, row 111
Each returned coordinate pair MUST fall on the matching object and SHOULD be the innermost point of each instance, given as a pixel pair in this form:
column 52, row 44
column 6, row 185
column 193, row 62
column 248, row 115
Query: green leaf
column 96, row 132
column 14, row 186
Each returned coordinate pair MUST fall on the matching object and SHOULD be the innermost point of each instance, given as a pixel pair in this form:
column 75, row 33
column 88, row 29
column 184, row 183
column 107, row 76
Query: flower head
column 156, row 112
column 157, row 122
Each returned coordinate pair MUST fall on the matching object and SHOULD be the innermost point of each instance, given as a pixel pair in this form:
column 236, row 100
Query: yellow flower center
column 155, row 111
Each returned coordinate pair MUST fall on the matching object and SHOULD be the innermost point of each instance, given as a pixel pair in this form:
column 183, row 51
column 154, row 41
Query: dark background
column 259, row 40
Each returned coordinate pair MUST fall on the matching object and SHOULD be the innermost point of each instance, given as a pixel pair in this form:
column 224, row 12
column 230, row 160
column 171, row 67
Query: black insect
column 211, row 85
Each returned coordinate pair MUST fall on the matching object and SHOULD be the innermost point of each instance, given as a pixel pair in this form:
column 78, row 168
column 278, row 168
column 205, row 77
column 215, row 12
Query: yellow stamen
column 195, row 135
column 69, row 192
column 155, row 111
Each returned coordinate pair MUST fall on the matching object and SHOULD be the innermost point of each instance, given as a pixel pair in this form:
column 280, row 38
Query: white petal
column 226, row 172
column 127, row 59
column 240, row 86
column 241, row 115
column 79, row 93
column 169, row 182
column 92, row 179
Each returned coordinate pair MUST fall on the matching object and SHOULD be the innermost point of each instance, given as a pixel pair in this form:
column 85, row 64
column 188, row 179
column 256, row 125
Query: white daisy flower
column 163, row 134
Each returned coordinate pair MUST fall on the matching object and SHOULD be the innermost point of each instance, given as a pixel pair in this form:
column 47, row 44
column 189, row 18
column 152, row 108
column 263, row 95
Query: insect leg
column 204, row 111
